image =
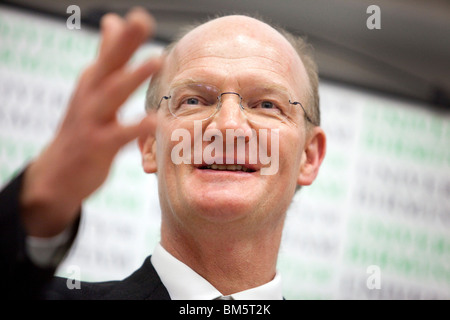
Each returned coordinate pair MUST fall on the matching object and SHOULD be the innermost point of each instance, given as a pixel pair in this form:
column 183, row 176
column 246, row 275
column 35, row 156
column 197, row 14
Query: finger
column 125, row 134
column 136, row 27
column 110, row 25
column 123, row 37
column 144, row 18
column 119, row 86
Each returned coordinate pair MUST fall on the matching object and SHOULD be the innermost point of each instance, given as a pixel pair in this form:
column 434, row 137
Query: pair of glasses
column 264, row 106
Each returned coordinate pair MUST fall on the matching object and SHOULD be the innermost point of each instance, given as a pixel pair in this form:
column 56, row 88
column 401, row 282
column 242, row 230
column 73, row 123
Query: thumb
column 141, row 130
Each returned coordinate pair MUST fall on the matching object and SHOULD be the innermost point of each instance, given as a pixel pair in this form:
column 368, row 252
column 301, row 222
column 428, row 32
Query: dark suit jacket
column 143, row 284
column 22, row 279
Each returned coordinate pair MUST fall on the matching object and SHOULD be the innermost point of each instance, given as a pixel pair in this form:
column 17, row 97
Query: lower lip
column 224, row 173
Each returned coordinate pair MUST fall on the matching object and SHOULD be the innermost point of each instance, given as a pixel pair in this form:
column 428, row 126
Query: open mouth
column 227, row 167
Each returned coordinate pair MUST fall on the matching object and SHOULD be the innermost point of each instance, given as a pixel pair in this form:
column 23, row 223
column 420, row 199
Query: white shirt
column 183, row 283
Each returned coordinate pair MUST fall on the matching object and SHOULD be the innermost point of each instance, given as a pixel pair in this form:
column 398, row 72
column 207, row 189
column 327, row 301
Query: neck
column 230, row 257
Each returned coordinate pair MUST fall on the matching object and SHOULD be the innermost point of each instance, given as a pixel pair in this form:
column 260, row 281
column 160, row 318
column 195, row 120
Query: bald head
column 236, row 42
column 242, row 33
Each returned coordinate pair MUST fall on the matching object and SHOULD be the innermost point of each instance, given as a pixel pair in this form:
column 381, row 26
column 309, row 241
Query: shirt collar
column 183, row 283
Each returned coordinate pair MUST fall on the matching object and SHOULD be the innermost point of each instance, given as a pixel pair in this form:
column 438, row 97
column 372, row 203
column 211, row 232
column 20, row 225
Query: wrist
column 46, row 209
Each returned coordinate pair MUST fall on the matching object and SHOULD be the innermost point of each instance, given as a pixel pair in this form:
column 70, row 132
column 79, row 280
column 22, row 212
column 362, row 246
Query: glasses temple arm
column 304, row 111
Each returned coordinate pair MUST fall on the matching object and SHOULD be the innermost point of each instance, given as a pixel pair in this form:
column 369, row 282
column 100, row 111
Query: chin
column 222, row 205
column 219, row 196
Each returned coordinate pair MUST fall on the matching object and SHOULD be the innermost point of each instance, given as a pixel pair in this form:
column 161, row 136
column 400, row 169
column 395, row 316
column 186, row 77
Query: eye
column 191, row 101
column 267, row 105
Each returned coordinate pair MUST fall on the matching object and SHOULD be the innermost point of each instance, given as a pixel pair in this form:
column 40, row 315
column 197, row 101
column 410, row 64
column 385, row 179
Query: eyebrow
column 188, row 81
column 271, row 88
column 266, row 87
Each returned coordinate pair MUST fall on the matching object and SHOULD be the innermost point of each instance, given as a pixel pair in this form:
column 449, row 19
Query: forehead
column 236, row 51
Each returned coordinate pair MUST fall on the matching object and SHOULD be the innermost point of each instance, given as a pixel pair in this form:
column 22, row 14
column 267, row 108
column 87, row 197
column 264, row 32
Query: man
column 222, row 219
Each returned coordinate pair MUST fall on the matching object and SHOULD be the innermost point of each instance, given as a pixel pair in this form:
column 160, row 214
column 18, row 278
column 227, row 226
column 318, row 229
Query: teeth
column 228, row 167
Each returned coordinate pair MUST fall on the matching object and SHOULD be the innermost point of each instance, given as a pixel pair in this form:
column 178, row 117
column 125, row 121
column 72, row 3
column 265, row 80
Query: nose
column 230, row 115
column 233, row 126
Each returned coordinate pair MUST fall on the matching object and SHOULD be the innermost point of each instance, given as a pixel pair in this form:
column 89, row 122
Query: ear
column 147, row 145
column 312, row 156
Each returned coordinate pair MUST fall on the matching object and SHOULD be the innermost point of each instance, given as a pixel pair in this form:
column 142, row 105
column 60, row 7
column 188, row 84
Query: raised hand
column 78, row 159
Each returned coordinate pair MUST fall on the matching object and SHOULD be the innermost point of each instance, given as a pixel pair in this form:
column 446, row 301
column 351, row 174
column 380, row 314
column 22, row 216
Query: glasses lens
column 266, row 106
column 193, row 101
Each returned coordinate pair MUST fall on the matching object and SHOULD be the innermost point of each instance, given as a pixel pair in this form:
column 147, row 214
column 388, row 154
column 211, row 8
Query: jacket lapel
column 143, row 284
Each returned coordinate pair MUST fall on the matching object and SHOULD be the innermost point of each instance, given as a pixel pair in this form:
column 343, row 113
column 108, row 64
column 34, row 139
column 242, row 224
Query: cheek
column 291, row 150
column 172, row 140
column 164, row 145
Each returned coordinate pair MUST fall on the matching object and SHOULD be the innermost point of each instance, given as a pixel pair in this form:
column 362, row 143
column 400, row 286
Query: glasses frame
column 219, row 100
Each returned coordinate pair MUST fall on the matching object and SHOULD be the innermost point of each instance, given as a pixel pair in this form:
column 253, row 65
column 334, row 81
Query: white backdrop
column 382, row 197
